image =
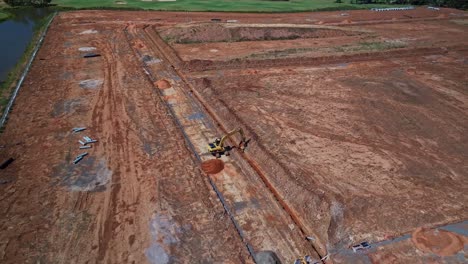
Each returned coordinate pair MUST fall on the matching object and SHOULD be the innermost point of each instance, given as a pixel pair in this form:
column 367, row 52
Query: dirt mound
column 219, row 33
column 212, row 166
column 163, row 84
column 440, row 242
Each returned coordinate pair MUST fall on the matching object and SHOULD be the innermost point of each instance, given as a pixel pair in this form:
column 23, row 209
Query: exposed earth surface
column 358, row 123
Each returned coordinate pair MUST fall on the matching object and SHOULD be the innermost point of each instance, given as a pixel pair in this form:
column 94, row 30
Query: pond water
column 16, row 34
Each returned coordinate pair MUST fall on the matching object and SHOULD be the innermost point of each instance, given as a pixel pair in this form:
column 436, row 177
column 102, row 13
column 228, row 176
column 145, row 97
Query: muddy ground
column 358, row 122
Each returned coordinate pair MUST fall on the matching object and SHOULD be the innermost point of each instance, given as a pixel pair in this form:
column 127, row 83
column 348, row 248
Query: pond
column 16, row 34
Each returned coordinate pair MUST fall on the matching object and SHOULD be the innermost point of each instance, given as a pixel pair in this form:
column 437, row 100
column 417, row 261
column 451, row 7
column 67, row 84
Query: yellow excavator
column 218, row 149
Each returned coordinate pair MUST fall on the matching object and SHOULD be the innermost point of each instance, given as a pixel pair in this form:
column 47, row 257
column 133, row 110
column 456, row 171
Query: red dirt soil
column 348, row 137
column 229, row 33
column 332, row 137
column 163, row 84
column 355, row 137
column 440, row 242
column 138, row 197
column 212, row 166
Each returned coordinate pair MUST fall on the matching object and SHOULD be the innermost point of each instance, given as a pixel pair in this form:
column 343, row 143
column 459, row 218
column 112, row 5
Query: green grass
column 216, row 5
column 4, row 15
column 461, row 21
column 371, row 46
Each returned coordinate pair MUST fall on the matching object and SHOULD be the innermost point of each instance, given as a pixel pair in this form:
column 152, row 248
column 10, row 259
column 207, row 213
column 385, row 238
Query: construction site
column 353, row 128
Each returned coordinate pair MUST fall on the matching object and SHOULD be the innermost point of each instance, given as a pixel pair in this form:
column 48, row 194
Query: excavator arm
column 217, row 148
column 233, row 132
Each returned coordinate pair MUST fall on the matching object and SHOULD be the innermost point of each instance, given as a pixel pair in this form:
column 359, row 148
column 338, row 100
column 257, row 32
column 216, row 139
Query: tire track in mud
column 192, row 148
column 167, row 184
column 228, row 113
column 108, row 119
column 105, row 104
column 158, row 42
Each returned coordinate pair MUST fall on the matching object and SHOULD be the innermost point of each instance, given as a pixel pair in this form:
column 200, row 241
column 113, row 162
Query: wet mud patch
column 90, row 175
column 148, row 60
column 196, row 116
column 66, row 76
column 64, row 107
column 164, row 232
column 212, row 166
column 151, row 146
column 91, row 84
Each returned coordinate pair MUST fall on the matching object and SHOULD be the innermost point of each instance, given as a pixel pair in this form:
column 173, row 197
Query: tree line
column 460, row 4
column 28, row 2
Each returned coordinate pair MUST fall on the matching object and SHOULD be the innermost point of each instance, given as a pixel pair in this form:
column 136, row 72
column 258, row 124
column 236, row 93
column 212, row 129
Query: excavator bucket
column 244, row 144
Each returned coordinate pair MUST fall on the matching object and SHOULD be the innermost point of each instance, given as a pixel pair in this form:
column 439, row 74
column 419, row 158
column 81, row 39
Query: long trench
column 286, row 235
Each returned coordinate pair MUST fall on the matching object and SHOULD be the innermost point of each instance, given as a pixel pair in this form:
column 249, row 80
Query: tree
column 28, row 2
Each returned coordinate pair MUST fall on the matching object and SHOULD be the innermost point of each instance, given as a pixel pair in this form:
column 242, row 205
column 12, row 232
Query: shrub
column 28, row 2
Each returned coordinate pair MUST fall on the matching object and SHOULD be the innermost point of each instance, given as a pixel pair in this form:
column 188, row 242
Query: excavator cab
column 215, row 149
column 218, row 149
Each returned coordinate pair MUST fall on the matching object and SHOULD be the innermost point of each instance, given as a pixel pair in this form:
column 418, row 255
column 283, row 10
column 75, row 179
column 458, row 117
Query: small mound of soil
column 440, row 242
column 212, row 166
column 163, row 84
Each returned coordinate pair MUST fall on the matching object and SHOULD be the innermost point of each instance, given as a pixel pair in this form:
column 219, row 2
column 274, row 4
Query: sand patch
column 89, row 31
column 87, row 49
